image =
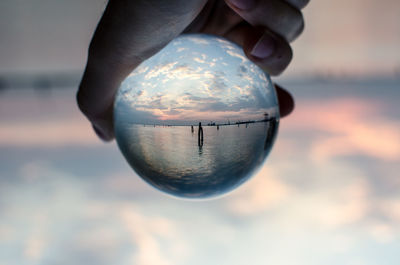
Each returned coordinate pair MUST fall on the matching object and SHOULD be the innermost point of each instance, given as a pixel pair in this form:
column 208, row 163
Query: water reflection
column 171, row 159
column 200, row 136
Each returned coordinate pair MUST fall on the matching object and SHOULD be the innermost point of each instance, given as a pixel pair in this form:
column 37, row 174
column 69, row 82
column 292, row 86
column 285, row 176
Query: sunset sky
column 328, row 193
column 195, row 80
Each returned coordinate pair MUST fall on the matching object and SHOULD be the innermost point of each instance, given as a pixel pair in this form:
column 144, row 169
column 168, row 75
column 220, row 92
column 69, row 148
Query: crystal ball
column 197, row 119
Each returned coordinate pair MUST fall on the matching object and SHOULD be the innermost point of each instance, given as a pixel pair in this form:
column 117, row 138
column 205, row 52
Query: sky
column 196, row 79
column 327, row 194
column 357, row 37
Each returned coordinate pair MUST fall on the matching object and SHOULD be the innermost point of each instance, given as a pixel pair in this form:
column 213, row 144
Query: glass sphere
column 196, row 119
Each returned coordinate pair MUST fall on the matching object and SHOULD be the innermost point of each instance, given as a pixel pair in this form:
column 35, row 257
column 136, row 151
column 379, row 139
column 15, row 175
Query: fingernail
column 243, row 4
column 264, row 48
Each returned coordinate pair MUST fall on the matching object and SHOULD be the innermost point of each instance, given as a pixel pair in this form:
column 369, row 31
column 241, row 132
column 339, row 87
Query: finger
column 300, row 4
column 280, row 17
column 286, row 101
column 216, row 18
column 95, row 99
column 270, row 52
column 103, row 129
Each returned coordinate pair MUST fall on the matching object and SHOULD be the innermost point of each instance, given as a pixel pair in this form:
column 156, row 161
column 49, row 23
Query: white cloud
column 159, row 70
column 350, row 206
column 197, row 59
column 226, row 44
column 139, row 70
column 34, row 247
column 147, row 233
column 237, row 55
column 181, row 49
column 198, row 40
column 382, row 232
column 260, row 194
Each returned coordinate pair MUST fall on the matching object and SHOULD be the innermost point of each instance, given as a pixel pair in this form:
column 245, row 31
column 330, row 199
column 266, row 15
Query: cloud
column 351, row 126
column 137, row 113
column 203, row 59
column 237, row 55
column 139, row 70
column 89, row 228
column 382, row 232
column 199, row 60
column 208, row 97
column 262, row 193
column 47, row 134
column 226, row 44
column 350, row 207
column 203, row 75
column 157, row 102
column 216, row 84
column 34, row 248
column 336, row 192
column 160, row 69
column 181, row 49
column 391, row 208
column 198, row 40
column 146, row 234
column 242, row 70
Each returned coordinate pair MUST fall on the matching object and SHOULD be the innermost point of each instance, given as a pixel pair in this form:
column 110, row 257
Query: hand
column 131, row 31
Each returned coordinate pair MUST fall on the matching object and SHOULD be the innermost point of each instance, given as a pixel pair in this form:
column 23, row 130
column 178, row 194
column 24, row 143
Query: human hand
column 129, row 32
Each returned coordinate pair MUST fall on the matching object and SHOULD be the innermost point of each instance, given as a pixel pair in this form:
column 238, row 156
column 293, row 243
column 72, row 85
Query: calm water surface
column 173, row 159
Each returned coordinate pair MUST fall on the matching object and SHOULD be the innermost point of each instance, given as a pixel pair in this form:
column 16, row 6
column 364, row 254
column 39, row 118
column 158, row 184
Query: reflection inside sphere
column 197, row 119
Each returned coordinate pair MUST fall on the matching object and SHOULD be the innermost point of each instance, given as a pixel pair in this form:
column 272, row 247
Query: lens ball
column 197, row 119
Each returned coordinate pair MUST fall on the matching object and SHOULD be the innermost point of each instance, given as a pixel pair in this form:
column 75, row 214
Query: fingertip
column 103, row 134
column 263, row 48
column 286, row 101
column 101, row 117
column 272, row 53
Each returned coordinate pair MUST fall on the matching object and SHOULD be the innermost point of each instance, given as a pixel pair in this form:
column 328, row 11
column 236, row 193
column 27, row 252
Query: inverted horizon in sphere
column 198, row 118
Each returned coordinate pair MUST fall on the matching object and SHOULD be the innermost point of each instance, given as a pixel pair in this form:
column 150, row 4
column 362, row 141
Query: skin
column 130, row 31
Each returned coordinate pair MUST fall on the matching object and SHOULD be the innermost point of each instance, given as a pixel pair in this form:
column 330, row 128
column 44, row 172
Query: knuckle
column 289, row 56
column 283, row 58
column 303, row 3
column 296, row 24
column 290, row 22
column 300, row 4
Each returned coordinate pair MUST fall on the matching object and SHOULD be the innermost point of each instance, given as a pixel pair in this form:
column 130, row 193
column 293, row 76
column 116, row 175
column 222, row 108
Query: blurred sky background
column 329, row 192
